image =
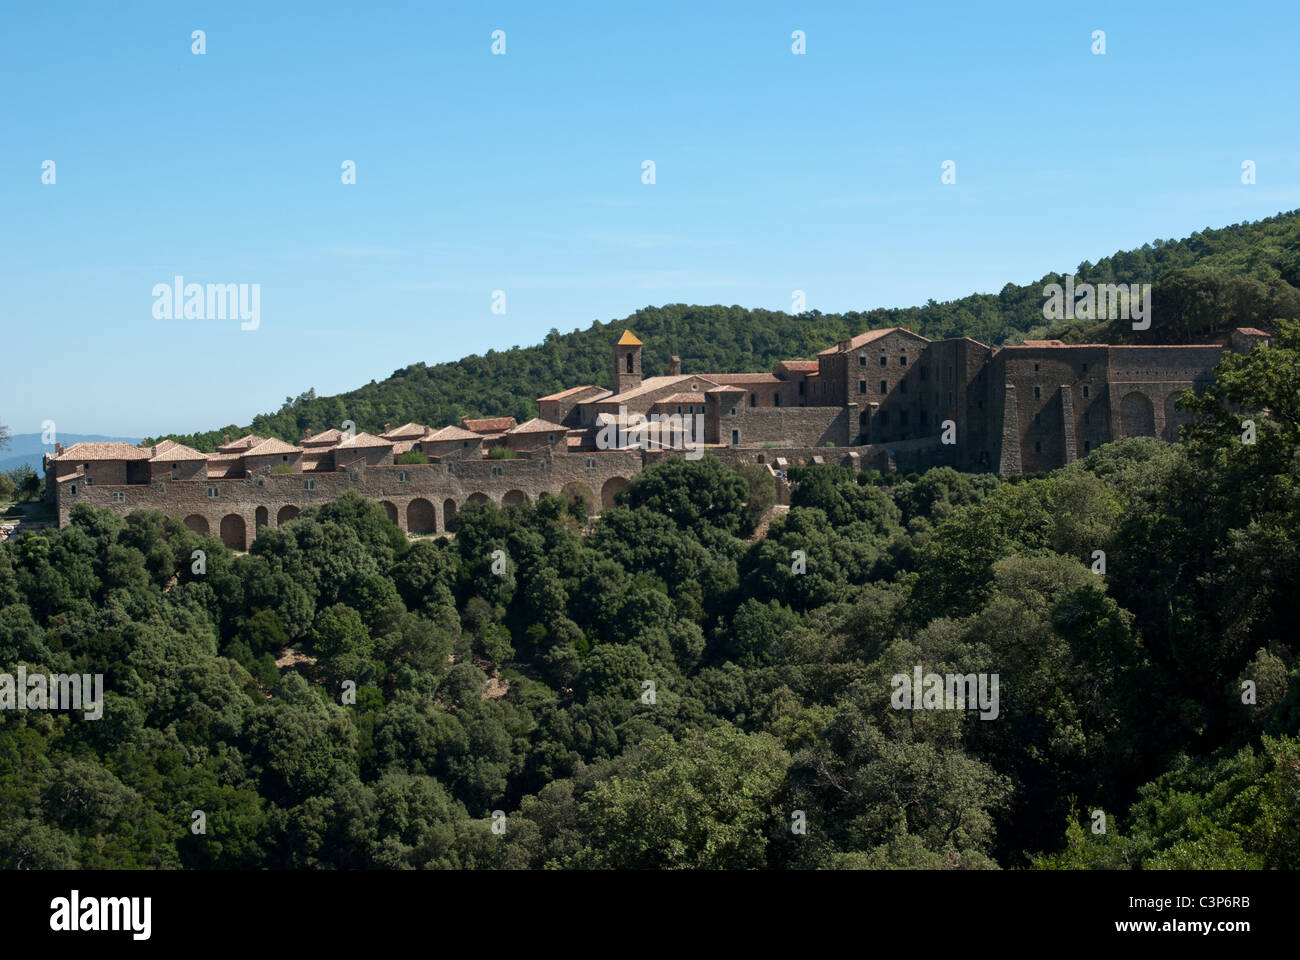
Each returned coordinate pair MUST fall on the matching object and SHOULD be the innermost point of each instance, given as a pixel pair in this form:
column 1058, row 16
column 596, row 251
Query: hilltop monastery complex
column 885, row 399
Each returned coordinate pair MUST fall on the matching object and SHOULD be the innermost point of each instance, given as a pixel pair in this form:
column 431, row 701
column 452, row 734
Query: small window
column 309, row 483
column 451, row 468
column 735, row 437
column 591, row 463
column 862, row 386
column 119, row 496
column 776, row 399
column 884, row 361
column 213, row 493
column 1086, row 419
column 862, row 359
column 902, row 361
column 753, row 400
column 801, row 388
column 1086, row 392
column 497, row 471
column 884, row 386
column 1087, row 445
column 284, row 458
column 72, row 489
column 261, row 481
column 733, row 411
column 162, row 487
column 550, row 438
column 695, row 386
column 89, row 481
column 354, row 475
column 1035, row 368
column 1085, row 368
column 679, row 408
column 1038, row 393
column 403, row 476
column 1038, row 419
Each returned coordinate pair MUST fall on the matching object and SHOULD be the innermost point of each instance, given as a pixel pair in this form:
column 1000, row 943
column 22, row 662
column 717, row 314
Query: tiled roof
column 364, row 440
column 177, row 452
column 721, row 378
column 162, row 446
column 489, row 425
column 407, row 431
column 647, row 385
column 1252, row 331
column 326, row 438
column 726, row 388
column 681, row 398
column 537, row 425
column 628, row 340
column 243, row 443
column 269, row 447
column 863, row 338
column 451, row 433
column 571, row 391
column 102, row 450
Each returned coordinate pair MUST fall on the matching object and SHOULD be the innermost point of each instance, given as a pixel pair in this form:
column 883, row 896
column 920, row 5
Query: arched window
column 629, row 363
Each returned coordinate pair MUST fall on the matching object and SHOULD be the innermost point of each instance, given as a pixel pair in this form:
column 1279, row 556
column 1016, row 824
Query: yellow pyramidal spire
column 629, row 340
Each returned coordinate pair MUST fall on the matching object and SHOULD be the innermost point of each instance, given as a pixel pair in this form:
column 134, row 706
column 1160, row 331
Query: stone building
column 886, row 399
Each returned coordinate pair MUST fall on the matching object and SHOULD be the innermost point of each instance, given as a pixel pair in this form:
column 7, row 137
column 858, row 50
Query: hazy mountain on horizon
column 26, row 448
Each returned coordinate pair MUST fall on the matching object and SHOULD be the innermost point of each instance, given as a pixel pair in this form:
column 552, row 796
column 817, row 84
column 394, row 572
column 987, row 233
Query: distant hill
column 1242, row 275
column 26, row 449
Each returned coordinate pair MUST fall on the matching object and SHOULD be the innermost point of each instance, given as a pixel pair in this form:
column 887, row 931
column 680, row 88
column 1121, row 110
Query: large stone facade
column 885, row 399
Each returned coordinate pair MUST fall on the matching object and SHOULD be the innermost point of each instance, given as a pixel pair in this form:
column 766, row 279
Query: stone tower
column 627, row 363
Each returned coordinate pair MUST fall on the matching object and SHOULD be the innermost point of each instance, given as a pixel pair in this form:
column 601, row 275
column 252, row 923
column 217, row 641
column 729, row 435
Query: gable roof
column 271, row 446
column 862, row 339
column 407, row 431
column 364, row 441
column 243, row 443
column 537, row 425
column 489, row 425
column 450, row 433
column 324, row 438
column 102, row 450
column 177, row 452
column 647, row 385
column 571, row 391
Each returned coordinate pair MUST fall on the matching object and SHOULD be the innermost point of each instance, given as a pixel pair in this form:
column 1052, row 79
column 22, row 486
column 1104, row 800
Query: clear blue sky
column 522, row 172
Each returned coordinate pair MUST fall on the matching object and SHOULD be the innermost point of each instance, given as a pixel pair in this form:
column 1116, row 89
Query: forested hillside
column 1243, row 275
column 652, row 689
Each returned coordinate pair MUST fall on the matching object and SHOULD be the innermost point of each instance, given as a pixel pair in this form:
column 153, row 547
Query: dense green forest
column 1242, row 275
column 655, row 687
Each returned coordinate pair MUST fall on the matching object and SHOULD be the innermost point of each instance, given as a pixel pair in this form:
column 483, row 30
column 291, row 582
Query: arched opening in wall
column 197, row 523
column 285, row 515
column 233, row 533
column 419, row 516
column 761, row 459
column 478, row 498
column 448, row 512
column 391, row 510
column 1175, row 418
column 513, row 498
column 1139, row 417
column 577, row 492
column 612, row 488
column 261, row 517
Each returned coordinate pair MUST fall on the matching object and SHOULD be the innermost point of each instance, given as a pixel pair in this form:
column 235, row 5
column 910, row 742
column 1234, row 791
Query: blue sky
column 523, row 173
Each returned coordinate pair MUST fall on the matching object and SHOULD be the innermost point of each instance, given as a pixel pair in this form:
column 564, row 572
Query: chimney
column 675, row 366
column 226, row 438
column 308, row 434
column 387, row 427
column 58, row 449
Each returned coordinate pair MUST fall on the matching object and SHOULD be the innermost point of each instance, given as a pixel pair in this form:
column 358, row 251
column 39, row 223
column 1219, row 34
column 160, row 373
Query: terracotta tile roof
column 451, row 433
column 629, row 340
column 682, row 397
column 243, row 443
column 801, row 366
column 647, row 385
column 537, row 425
column 726, row 388
column 722, row 378
column 88, row 450
column 177, row 452
column 363, row 441
column 407, row 431
column 1042, row 343
column 490, row 425
column 326, row 438
column 863, row 338
column 1253, row 332
column 163, row 446
column 571, row 391
column 271, row 446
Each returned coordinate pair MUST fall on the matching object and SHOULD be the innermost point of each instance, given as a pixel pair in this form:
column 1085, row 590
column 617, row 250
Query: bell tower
column 627, row 363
